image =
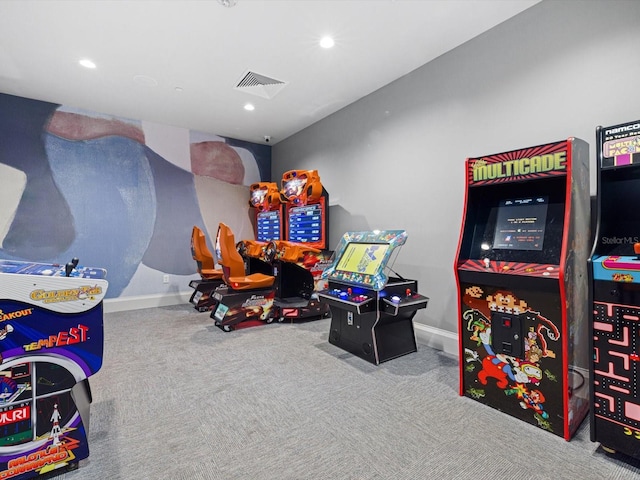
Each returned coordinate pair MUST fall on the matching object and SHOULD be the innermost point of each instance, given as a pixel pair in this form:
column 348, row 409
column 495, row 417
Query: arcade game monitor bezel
column 373, row 274
column 482, row 225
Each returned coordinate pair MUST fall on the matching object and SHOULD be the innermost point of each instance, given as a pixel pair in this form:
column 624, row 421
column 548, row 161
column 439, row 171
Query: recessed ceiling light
column 85, row 62
column 327, row 42
column 145, row 80
column 249, row 107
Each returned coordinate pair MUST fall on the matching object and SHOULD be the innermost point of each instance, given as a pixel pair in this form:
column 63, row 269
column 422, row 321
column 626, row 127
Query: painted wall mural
column 117, row 193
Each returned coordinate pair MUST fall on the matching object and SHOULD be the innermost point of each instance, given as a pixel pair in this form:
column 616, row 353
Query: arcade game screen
column 365, row 258
column 306, row 223
column 520, row 223
column 510, row 227
column 268, row 226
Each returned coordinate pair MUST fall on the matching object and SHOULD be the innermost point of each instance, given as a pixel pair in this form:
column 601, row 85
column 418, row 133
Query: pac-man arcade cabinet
column 615, row 275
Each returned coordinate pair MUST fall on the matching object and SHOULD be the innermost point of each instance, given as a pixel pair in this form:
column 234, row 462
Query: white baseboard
column 437, row 338
column 145, row 301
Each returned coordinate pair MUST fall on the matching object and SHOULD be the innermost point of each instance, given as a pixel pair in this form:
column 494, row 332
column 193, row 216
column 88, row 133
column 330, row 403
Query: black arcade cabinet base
column 371, row 326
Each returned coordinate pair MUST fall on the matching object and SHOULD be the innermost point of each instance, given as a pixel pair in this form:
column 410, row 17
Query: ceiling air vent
column 260, row 85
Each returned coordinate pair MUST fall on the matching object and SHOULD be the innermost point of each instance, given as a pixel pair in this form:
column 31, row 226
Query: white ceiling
column 176, row 62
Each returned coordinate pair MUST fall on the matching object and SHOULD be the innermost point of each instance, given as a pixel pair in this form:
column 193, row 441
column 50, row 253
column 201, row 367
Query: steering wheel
column 241, row 247
column 270, row 251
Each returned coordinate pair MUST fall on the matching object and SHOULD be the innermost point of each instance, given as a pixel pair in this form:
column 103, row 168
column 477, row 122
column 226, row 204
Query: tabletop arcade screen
column 361, row 258
column 365, row 258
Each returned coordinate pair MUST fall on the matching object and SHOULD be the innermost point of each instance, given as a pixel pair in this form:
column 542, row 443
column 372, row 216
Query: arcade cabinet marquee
column 522, row 284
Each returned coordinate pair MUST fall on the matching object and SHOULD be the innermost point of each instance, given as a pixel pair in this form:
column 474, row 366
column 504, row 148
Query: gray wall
column 395, row 159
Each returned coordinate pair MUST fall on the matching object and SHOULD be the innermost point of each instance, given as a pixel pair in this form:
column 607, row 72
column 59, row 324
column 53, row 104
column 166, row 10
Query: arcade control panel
column 399, row 301
column 355, row 302
column 392, row 300
column 618, row 268
column 71, row 269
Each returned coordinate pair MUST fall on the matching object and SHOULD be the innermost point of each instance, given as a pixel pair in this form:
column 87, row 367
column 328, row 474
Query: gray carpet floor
column 177, row 398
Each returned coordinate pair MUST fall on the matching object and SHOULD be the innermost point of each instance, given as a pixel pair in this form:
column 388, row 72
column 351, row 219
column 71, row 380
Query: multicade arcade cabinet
column 615, row 275
column 371, row 311
column 522, row 284
column 51, row 342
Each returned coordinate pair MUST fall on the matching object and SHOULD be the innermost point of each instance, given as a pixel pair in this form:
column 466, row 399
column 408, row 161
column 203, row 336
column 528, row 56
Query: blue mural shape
column 177, row 211
column 109, row 186
column 43, row 226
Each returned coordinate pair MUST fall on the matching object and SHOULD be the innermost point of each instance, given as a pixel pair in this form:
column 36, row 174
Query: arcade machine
column 269, row 225
column 210, row 277
column 293, row 264
column 307, row 218
column 252, row 298
column 522, row 284
column 615, row 294
column 372, row 312
column 307, row 208
column 51, row 342
column 269, row 211
column 245, row 299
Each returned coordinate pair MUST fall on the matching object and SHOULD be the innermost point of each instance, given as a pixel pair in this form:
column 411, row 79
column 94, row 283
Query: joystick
column 68, row 268
column 636, row 250
column 487, row 263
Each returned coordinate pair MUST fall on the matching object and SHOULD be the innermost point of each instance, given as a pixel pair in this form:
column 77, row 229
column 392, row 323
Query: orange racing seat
column 233, row 268
column 201, row 254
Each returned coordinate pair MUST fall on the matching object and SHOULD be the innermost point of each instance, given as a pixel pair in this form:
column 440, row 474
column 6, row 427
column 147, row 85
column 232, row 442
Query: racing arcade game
column 244, row 296
column 522, row 284
column 307, row 208
column 269, row 224
column 51, row 342
column 269, row 211
column 372, row 312
column 615, row 280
